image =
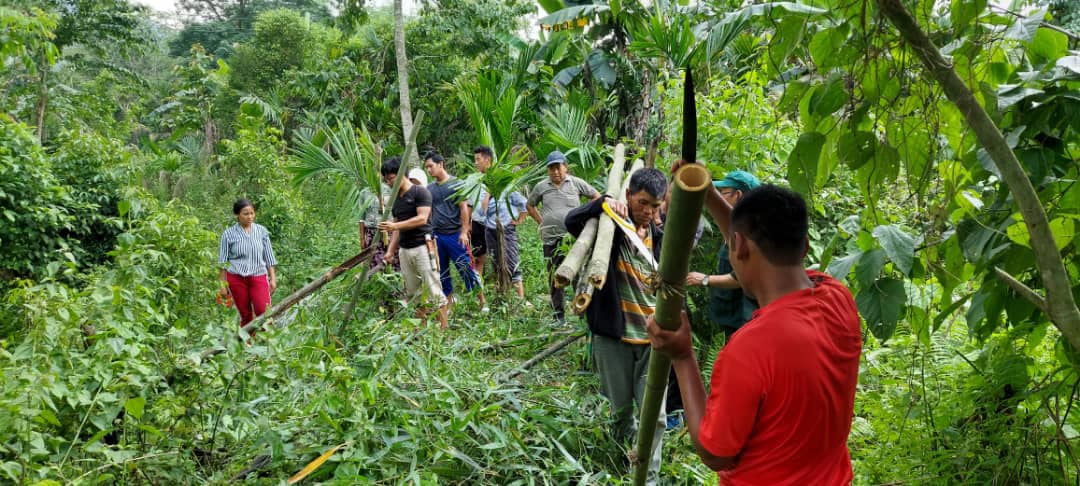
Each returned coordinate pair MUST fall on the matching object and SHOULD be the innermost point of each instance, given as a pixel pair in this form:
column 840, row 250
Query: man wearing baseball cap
column 555, row 197
column 728, row 306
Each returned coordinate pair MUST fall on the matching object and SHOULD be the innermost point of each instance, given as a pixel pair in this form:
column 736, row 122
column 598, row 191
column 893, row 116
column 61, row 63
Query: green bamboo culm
column 687, row 198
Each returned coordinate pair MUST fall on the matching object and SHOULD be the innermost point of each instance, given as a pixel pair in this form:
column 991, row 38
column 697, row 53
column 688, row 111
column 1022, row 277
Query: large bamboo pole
column 575, row 259
column 605, row 230
column 638, row 165
column 684, row 211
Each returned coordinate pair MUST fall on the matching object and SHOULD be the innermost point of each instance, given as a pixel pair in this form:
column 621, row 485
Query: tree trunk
column 43, row 100
column 502, row 270
column 687, row 199
column 411, row 158
column 1060, row 306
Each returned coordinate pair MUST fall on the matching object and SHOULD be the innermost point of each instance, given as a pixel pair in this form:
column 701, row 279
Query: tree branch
column 1026, row 292
column 1060, row 305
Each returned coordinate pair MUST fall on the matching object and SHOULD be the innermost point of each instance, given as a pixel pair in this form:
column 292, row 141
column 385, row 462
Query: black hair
column 240, row 204
column 484, row 149
column 434, row 157
column 391, row 166
column 776, row 220
column 651, row 181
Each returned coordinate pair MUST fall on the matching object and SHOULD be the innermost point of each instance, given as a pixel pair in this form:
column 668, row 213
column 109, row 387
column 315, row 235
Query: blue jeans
column 451, row 251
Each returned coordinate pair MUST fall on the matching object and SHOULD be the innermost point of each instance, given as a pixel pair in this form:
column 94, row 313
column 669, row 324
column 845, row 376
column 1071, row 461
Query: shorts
column 477, row 239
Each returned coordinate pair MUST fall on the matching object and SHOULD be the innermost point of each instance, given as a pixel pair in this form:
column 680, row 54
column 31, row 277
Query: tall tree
column 97, row 25
column 403, row 80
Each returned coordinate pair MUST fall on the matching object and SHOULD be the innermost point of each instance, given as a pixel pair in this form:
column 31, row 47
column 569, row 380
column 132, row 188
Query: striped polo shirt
column 633, row 278
column 247, row 254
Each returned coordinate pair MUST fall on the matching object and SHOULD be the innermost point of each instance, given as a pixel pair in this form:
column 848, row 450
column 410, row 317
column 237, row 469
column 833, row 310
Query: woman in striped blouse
column 248, row 258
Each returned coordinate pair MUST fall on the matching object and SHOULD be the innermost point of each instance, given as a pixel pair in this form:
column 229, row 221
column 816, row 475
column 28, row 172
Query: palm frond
column 349, row 158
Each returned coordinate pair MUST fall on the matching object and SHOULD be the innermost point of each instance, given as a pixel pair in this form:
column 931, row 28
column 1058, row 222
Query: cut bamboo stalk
column 687, row 198
column 583, row 298
column 554, row 348
column 605, row 230
column 575, row 259
column 295, row 297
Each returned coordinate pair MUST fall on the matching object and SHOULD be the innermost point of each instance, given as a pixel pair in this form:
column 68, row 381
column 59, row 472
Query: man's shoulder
column 581, row 184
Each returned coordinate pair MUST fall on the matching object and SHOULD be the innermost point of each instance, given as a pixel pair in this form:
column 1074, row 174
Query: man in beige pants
column 410, row 241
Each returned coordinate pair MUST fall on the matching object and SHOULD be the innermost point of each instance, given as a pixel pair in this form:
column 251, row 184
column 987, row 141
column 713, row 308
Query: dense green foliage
column 123, row 144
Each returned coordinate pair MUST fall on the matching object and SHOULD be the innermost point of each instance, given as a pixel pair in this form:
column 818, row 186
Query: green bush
column 35, row 208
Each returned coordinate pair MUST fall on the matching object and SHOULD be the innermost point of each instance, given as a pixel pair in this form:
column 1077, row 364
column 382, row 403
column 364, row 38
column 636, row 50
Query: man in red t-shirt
column 783, row 389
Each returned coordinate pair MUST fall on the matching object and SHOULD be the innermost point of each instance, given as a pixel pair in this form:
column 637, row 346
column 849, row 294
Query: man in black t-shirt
column 411, row 231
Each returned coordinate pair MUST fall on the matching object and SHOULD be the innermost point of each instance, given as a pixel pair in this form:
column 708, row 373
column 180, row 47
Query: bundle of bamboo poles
column 592, row 250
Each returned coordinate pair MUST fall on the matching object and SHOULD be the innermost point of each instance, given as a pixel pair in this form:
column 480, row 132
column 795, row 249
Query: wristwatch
column 705, row 281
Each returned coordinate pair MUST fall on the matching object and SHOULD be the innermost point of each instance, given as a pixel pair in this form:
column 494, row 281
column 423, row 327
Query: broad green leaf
column 1023, row 29
column 1064, row 230
column 984, row 313
column 869, row 267
column 1047, row 47
column 880, row 304
column 788, row 35
column 803, row 162
column 856, row 148
column 1011, row 94
column 825, row 44
column 828, row 98
column 841, row 267
column 898, row 245
column 1018, row 233
column 602, row 68
column 134, row 407
column 570, row 15
column 963, row 12
column 1071, row 63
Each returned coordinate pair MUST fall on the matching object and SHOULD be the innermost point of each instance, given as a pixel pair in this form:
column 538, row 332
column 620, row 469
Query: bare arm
column 692, row 389
column 273, row 278
column 725, row 281
column 535, row 214
column 392, row 248
column 466, row 218
column 421, row 218
column 677, row 346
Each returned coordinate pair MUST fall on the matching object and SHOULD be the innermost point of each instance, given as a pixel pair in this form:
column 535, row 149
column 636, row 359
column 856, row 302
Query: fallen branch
column 516, row 341
column 295, row 297
column 554, row 348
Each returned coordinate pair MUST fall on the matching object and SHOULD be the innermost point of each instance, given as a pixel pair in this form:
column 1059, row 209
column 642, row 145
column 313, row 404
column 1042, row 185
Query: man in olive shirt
column 556, row 197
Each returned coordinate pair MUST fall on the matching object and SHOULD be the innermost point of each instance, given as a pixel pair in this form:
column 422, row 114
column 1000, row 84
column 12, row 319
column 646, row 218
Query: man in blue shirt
column 450, row 218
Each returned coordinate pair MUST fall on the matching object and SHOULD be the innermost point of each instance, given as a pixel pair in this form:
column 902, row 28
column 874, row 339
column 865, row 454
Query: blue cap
column 739, row 180
column 555, row 157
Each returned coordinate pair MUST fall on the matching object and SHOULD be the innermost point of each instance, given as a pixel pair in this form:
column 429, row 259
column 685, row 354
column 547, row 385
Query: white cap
column 419, row 175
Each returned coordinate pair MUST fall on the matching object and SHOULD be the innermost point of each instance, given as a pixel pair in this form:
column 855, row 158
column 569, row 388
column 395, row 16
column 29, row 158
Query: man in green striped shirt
column 620, row 308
